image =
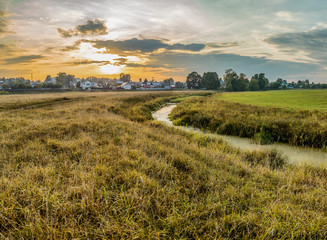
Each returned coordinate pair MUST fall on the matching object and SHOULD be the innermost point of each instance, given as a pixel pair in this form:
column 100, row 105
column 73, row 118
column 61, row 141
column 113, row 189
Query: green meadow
column 293, row 99
column 97, row 166
column 294, row 117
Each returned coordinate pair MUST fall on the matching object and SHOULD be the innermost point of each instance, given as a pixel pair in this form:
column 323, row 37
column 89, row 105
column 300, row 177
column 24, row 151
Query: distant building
column 128, row 86
column 94, row 85
column 86, row 85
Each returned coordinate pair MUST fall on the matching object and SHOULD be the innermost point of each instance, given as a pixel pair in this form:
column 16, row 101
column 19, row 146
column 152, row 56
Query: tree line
column 231, row 80
column 234, row 82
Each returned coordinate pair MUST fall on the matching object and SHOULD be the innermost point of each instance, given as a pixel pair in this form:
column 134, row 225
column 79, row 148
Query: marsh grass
column 78, row 171
column 265, row 124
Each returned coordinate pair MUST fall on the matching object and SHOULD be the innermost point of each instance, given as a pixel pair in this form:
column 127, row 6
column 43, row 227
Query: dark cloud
column 22, row 59
column 143, row 45
column 223, row 45
column 66, row 33
column 218, row 62
column 313, row 42
column 87, row 62
column 73, row 47
column 6, row 48
column 91, row 27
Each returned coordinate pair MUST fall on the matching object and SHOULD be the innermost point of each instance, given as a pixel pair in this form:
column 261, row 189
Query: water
column 295, row 155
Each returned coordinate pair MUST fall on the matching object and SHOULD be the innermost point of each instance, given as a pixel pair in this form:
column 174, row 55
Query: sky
column 163, row 38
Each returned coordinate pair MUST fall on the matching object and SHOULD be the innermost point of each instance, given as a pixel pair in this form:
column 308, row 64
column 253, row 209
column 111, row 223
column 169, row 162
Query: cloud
column 287, row 16
column 143, row 45
column 218, row 62
column 3, row 22
column 66, row 33
column 7, row 49
column 312, row 42
column 223, row 44
column 22, row 59
column 91, row 27
column 86, row 62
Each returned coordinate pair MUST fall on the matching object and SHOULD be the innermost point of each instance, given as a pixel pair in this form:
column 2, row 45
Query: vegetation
column 193, row 81
column 234, row 82
column 75, row 166
column 293, row 99
column 264, row 124
column 209, row 81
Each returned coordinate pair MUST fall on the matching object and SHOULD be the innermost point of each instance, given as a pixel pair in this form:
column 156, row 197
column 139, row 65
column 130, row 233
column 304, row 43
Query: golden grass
column 79, row 170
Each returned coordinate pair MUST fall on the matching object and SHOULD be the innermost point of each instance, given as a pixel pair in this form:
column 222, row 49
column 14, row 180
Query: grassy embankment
column 277, row 116
column 76, row 166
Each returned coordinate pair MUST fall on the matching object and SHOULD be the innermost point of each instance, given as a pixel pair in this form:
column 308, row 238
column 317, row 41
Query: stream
column 295, row 155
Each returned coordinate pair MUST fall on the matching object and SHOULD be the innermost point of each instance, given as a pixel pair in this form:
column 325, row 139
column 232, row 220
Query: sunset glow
column 163, row 39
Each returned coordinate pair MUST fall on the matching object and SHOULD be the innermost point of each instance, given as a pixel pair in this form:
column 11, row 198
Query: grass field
column 96, row 166
column 260, row 115
column 293, row 99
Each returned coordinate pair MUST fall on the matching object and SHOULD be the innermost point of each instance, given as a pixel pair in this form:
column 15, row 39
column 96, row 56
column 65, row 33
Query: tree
column 193, row 80
column 125, row 77
column 231, row 80
column 64, row 80
column 168, row 82
column 279, row 81
column 243, row 82
column 48, row 78
column 210, row 81
column 179, row 85
column 254, row 85
column 262, row 81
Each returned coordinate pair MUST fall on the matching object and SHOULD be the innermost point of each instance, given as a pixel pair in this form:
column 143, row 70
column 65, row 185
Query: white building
column 86, row 85
column 127, row 86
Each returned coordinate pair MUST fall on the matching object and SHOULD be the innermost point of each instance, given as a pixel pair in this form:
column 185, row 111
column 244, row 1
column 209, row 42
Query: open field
column 96, row 166
column 263, row 123
column 292, row 99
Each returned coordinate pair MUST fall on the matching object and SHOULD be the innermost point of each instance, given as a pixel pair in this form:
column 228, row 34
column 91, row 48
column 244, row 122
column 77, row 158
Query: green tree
column 254, row 85
column 262, row 81
column 193, row 80
column 210, row 81
column 231, row 80
column 243, row 82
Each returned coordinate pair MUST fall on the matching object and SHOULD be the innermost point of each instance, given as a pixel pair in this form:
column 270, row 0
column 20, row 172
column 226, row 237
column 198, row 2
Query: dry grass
column 84, row 170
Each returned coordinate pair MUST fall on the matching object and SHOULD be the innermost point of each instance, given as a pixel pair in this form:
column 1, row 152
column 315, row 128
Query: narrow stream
column 295, row 155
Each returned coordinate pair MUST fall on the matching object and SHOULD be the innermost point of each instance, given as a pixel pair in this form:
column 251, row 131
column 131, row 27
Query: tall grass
column 266, row 124
column 78, row 171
